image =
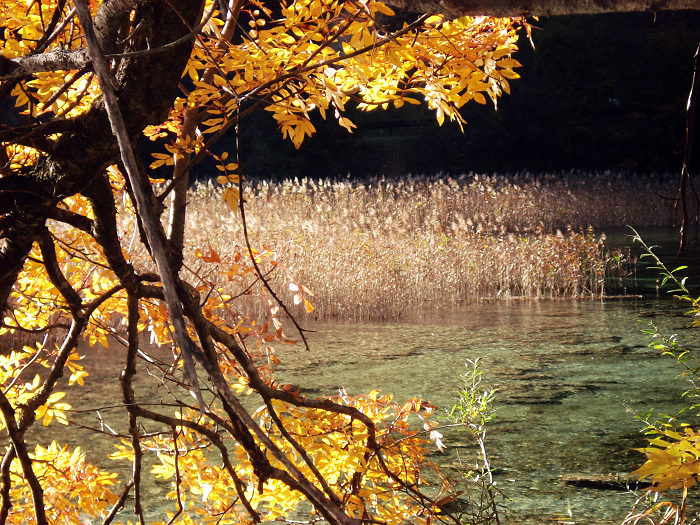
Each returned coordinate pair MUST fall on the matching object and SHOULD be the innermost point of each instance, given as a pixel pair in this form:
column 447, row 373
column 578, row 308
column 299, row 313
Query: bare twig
column 178, row 478
column 258, row 271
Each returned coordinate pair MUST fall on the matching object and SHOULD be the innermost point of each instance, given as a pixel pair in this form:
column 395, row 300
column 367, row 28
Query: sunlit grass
column 380, row 249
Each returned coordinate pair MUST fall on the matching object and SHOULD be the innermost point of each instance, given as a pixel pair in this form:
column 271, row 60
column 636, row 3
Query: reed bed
column 383, row 249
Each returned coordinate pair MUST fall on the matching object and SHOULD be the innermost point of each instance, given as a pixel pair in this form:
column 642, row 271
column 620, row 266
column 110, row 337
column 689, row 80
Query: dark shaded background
column 598, row 92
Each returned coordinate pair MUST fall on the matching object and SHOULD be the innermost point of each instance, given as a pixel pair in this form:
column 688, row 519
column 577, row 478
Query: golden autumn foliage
column 183, row 73
column 673, row 450
column 673, row 461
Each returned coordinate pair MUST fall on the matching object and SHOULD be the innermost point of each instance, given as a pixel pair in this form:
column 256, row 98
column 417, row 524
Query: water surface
column 570, row 377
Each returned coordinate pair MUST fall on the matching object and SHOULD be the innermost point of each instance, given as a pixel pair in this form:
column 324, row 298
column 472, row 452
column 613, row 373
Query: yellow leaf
column 232, row 198
column 434, row 20
column 346, row 123
column 509, row 74
column 213, row 121
column 384, row 9
column 478, row 97
column 509, row 63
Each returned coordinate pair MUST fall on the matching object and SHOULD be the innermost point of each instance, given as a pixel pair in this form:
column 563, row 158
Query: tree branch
column 34, row 135
column 20, row 447
column 55, row 60
column 105, row 230
column 74, row 219
column 108, row 20
column 66, row 60
column 145, row 213
column 48, row 253
column 51, row 30
column 686, row 179
column 14, row 248
column 6, row 484
column 119, row 504
column 130, row 400
column 42, row 394
column 538, row 7
column 243, row 424
column 191, row 119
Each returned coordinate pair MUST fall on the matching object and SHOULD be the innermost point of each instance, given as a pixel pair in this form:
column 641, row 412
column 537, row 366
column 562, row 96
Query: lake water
column 570, row 376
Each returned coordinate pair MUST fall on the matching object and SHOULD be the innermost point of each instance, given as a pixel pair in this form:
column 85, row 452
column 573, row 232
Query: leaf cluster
column 86, row 257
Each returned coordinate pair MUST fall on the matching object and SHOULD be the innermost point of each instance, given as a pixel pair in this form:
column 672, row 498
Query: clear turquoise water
column 569, row 376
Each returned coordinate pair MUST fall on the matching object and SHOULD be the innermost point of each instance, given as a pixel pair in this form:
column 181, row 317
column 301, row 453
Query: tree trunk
column 146, row 87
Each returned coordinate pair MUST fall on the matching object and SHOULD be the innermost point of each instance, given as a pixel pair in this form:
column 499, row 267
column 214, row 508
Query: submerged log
column 604, row 481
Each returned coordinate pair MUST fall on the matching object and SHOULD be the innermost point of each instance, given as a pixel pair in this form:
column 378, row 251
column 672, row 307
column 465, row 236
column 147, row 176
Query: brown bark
column 540, row 7
column 49, row 61
column 145, row 212
column 146, row 87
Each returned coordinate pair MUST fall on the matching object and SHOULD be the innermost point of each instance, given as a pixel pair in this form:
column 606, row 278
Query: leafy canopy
column 84, row 267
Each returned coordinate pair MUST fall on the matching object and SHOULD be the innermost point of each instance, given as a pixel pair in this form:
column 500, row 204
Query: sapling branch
column 191, row 119
column 178, row 478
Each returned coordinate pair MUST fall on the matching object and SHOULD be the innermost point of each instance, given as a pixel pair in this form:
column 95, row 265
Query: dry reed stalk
column 380, row 249
column 383, row 249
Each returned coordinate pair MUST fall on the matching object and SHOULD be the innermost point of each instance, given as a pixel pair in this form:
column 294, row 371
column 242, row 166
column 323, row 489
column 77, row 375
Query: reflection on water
column 569, row 375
